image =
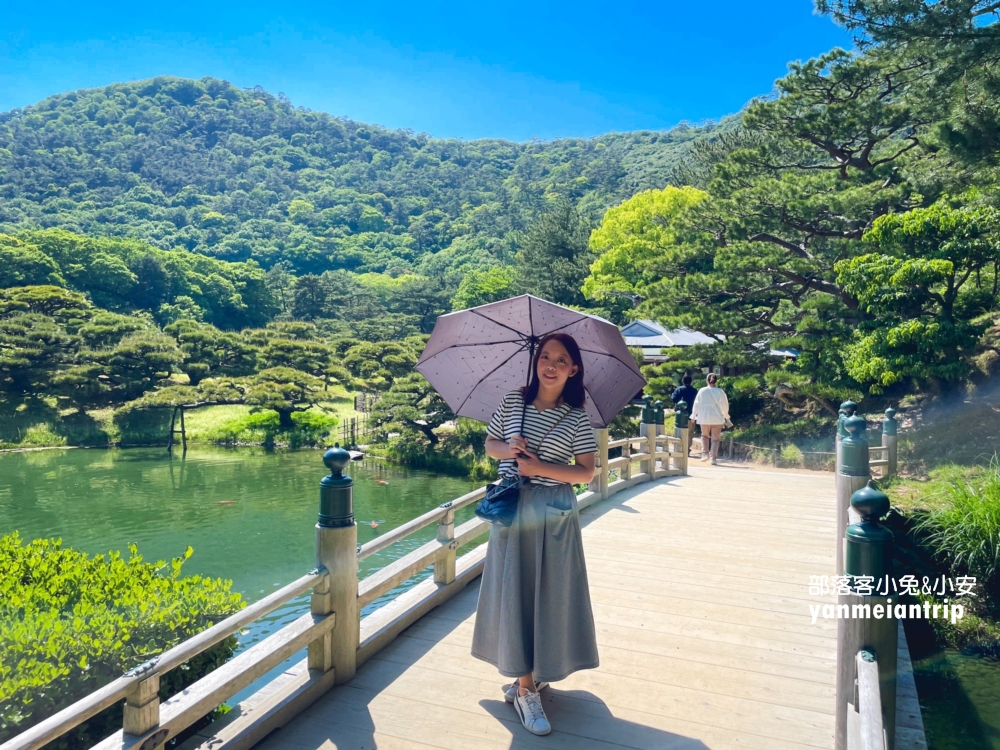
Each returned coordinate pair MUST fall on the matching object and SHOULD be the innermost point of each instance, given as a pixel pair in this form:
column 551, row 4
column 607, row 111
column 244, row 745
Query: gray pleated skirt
column 534, row 614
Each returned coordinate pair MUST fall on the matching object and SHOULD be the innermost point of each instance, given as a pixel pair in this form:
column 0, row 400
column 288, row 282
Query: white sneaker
column 510, row 691
column 529, row 708
column 715, row 462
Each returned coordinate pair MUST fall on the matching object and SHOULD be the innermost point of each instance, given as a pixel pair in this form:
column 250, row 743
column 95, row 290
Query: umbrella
column 474, row 357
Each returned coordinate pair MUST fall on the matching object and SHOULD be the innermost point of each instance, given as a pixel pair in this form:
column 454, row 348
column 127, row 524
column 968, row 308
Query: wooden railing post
column 889, row 441
column 868, row 564
column 444, row 570
column 602, row 455
column 853, row 474
column 337, row 551
column 659, row 419
column 141, row 713
column 682, row 430
column 647, row 424
column 627, row 466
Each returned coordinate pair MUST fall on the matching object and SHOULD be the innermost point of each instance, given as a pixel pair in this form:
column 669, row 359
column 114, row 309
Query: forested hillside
column 241, row 174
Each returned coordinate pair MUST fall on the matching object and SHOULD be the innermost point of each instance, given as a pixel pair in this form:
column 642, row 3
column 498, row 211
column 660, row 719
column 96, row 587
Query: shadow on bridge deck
column 700, row 593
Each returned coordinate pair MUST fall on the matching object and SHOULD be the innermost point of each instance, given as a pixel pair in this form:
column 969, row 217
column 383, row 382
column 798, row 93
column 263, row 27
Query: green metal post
column 869, row 543
column 853, row 474
column 889, row 441
column 854, row 448
column 647, row 411
column 869, row 625
column 682, row 416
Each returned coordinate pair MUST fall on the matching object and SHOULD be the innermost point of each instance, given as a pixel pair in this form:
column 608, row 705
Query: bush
column 70, row 623
column 264, row 428
column 966, row 530
column 746, row 394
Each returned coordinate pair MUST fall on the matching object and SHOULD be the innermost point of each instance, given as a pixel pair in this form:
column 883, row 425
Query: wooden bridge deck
column 700, row 587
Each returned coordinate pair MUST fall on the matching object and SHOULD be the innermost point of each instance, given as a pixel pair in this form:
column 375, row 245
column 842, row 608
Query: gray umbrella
column 476, row 356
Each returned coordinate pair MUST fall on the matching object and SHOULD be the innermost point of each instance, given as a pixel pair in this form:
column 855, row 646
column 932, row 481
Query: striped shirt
column 568, row 438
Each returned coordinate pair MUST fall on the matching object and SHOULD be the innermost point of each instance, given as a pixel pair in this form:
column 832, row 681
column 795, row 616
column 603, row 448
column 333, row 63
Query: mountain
column 239, row 174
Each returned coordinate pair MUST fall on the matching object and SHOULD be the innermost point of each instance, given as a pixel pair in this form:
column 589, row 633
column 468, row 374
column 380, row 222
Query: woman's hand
column 530, row 465
column 517, row 446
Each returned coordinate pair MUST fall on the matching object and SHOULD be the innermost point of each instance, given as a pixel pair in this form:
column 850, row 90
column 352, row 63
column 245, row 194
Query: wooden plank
column 869, row 704
column 909, row 722
column 199, row 699
column 695, row 645
column 382, row 626
column 252, row 720
column 402, row 569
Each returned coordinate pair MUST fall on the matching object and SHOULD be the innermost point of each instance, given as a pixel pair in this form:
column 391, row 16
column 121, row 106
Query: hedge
column 70, row 623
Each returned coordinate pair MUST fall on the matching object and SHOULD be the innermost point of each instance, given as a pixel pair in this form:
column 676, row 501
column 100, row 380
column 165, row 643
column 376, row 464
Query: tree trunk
column 428, row 431
column 285, row 419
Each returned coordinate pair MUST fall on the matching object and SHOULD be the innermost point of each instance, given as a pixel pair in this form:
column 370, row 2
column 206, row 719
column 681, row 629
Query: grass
column 965, row 529
column 38, row 423
column 953, row 432
column 970, row 634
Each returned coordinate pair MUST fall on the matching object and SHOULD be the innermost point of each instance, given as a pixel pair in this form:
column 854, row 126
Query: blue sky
column 471, row 70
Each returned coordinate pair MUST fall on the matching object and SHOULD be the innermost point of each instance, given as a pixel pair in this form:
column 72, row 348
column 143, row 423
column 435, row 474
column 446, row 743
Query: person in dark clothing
column 684, row 392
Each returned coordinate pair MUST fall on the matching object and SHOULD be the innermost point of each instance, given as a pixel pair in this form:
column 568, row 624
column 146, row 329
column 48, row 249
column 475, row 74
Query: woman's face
column 555, row 366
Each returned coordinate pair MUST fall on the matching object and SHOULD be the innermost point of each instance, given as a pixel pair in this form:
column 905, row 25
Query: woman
column 711, row 411
column 534, row 620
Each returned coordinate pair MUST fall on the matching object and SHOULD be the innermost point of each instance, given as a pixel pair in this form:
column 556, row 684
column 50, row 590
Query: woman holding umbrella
column 534, row 620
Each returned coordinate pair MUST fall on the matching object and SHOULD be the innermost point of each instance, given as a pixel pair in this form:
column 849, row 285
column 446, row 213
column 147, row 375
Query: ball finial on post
column 336, row 491
column 682, row 416
column 647, row 410
column 854, row 448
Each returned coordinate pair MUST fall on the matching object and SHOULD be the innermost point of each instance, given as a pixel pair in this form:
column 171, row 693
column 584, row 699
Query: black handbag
column 500, row 504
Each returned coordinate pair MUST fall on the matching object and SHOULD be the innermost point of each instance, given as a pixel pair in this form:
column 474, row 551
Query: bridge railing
column 867, row 635
column 336, row 638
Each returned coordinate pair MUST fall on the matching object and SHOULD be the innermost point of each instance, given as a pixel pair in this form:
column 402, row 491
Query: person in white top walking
column 711, row 411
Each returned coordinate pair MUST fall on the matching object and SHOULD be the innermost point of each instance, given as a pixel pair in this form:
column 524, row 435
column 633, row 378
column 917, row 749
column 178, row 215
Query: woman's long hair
column 573, row 392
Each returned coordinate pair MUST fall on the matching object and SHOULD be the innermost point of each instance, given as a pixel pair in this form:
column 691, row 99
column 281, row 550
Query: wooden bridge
column 700, row 582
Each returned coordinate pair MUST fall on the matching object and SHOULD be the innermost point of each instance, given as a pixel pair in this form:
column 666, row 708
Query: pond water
column 248, row 513
column 960, row 700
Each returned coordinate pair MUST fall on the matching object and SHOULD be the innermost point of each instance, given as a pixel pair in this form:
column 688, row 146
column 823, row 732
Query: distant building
column 652, row 337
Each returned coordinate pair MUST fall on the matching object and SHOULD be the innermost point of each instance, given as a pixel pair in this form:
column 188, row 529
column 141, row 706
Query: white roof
column 650, row 334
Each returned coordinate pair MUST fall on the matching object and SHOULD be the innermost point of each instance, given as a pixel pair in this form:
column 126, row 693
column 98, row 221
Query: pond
column 959, row 699
column 248, row 513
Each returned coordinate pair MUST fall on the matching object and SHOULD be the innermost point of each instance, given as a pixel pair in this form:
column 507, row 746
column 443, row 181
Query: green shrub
column 746, row 394
column 41, row 435
column 70, row 623
column 264, row 428
column 965, row 531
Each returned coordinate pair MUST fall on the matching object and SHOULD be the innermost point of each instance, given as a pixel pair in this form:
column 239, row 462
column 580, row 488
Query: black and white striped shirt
column 570, row 437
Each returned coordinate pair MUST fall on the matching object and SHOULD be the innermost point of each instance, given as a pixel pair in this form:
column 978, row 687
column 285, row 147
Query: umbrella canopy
column 474, row 357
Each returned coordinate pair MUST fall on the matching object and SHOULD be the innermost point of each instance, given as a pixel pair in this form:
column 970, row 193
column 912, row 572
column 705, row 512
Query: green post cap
column 869, row 543
column 890, row 425
column 647, row 410
column 847, row 409
column 682, row 416
column 854, row 448
column 336, row 490
column 658, row 412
